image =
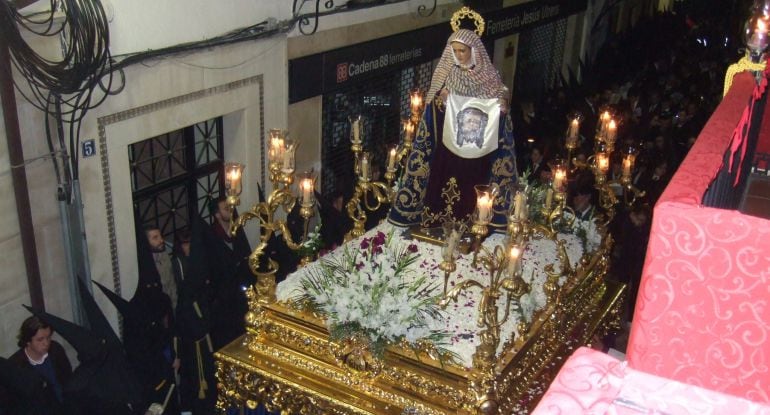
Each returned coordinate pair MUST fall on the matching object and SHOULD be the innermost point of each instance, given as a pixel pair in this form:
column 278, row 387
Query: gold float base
column 287, row 362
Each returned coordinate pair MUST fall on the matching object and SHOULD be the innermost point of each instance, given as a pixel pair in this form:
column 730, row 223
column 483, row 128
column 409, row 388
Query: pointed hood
column 97, row 322
column 103, row 382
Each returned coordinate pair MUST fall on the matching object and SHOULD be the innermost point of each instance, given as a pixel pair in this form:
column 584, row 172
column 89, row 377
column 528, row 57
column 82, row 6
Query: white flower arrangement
column 586, row 230
column 374, row 291
column 457, row 323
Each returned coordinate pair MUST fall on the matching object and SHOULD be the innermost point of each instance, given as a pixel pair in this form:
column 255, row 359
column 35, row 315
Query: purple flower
column 412, row 248
column 365, row 243
column 378, row 239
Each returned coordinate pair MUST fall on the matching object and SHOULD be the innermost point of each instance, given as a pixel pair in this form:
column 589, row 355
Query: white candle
column 392, row 159
column 627, row 165
column 513, row 261
column 416, row 103
column 548, row 199
column 574, row 127
column 288, row 159
column 356, row 126
column 484, row 205
column 408, row 131
column 276, row 150
column 612, row 131
column 447, row 253
column 605, row 120
column 558, row 179
column 307, row 191
column 365, row 167
column 603, row 162
column 234, row 179
column 518, row 204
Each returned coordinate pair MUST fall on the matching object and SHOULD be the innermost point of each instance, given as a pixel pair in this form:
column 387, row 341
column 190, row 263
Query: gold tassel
column 203, row 385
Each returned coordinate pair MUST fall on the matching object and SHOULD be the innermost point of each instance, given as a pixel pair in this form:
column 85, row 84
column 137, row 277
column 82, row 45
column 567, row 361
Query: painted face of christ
column 471, row 123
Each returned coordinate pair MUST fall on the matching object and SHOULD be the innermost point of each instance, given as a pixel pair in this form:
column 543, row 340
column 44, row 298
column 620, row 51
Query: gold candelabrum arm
column 264, row 212
column 361, row 202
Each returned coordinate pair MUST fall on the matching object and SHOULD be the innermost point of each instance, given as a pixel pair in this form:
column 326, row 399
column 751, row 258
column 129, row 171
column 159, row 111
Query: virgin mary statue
column 464, row 138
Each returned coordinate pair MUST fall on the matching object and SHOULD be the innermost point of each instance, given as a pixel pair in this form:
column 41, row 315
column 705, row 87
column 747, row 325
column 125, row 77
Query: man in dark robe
column 148, row 330
column 198, row 388
column 230, row 275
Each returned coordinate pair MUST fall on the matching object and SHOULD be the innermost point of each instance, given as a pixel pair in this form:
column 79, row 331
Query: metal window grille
column 174, row 175
column 541, row 51
column 384, row 104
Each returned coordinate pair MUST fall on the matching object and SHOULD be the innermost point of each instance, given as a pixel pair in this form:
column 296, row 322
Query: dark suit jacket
column 45, row 397
column 61, row 364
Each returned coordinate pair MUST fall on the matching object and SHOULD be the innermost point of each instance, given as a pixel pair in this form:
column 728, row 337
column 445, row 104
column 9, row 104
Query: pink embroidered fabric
column 703, row 309
column 593, row 383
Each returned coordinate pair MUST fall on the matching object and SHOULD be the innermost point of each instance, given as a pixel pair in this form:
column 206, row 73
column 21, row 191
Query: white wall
column 245, row 82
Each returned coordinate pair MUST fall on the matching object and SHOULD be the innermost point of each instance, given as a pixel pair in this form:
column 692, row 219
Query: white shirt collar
column 34, row 362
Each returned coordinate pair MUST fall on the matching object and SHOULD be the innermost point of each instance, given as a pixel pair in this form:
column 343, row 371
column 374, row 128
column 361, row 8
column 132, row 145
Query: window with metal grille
column 384, row 104
column 539, row 61
column 174, row 175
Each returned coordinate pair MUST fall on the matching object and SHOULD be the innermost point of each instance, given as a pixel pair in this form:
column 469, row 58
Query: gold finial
column 466, row 12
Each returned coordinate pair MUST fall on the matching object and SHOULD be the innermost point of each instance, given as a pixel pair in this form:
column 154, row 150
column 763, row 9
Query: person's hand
column 176, row 364
column 443, row 94
column 503, row 105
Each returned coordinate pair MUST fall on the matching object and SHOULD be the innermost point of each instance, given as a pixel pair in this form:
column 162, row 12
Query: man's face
column 40, row 342
column 186, row 248
column 223, row 213
column 155, row 239
column 581, row 202
column 462, row 53
column 536, row 156
column 471, row 124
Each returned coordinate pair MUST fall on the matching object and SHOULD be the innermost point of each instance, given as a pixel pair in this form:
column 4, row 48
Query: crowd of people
column 669, row 85
column 188, row 303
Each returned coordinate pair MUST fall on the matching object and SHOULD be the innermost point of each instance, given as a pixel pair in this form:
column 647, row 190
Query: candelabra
column 599, row 162
column 281, row 156
column 485, row 199
column 366, row 189
column 369, row 195
column 505, row 279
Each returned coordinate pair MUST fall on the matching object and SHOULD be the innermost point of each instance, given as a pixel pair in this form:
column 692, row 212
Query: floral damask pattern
column 703, row 309
column 593, row 383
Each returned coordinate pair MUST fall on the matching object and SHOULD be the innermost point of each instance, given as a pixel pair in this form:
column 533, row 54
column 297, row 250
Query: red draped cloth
column 703, row 309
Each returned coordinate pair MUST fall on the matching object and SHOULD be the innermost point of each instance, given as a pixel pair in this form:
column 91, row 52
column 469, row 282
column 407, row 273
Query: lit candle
column 365, row 166
column 602, row 162
column 392, row 159
column 307, row 191
column 612, row 131
column 574, row 127
column 559, row 177
column 628, row 164
column 233, row 176
column 606, row 117
column 409, row 130
column 416, row 101
column 513, row 261
column 548, row 199
column 276, row 149
column 484, row 204
column 758, row 38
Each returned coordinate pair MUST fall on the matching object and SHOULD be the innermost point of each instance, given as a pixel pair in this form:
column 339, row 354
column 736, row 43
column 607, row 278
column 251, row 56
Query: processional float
column 289, row 361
